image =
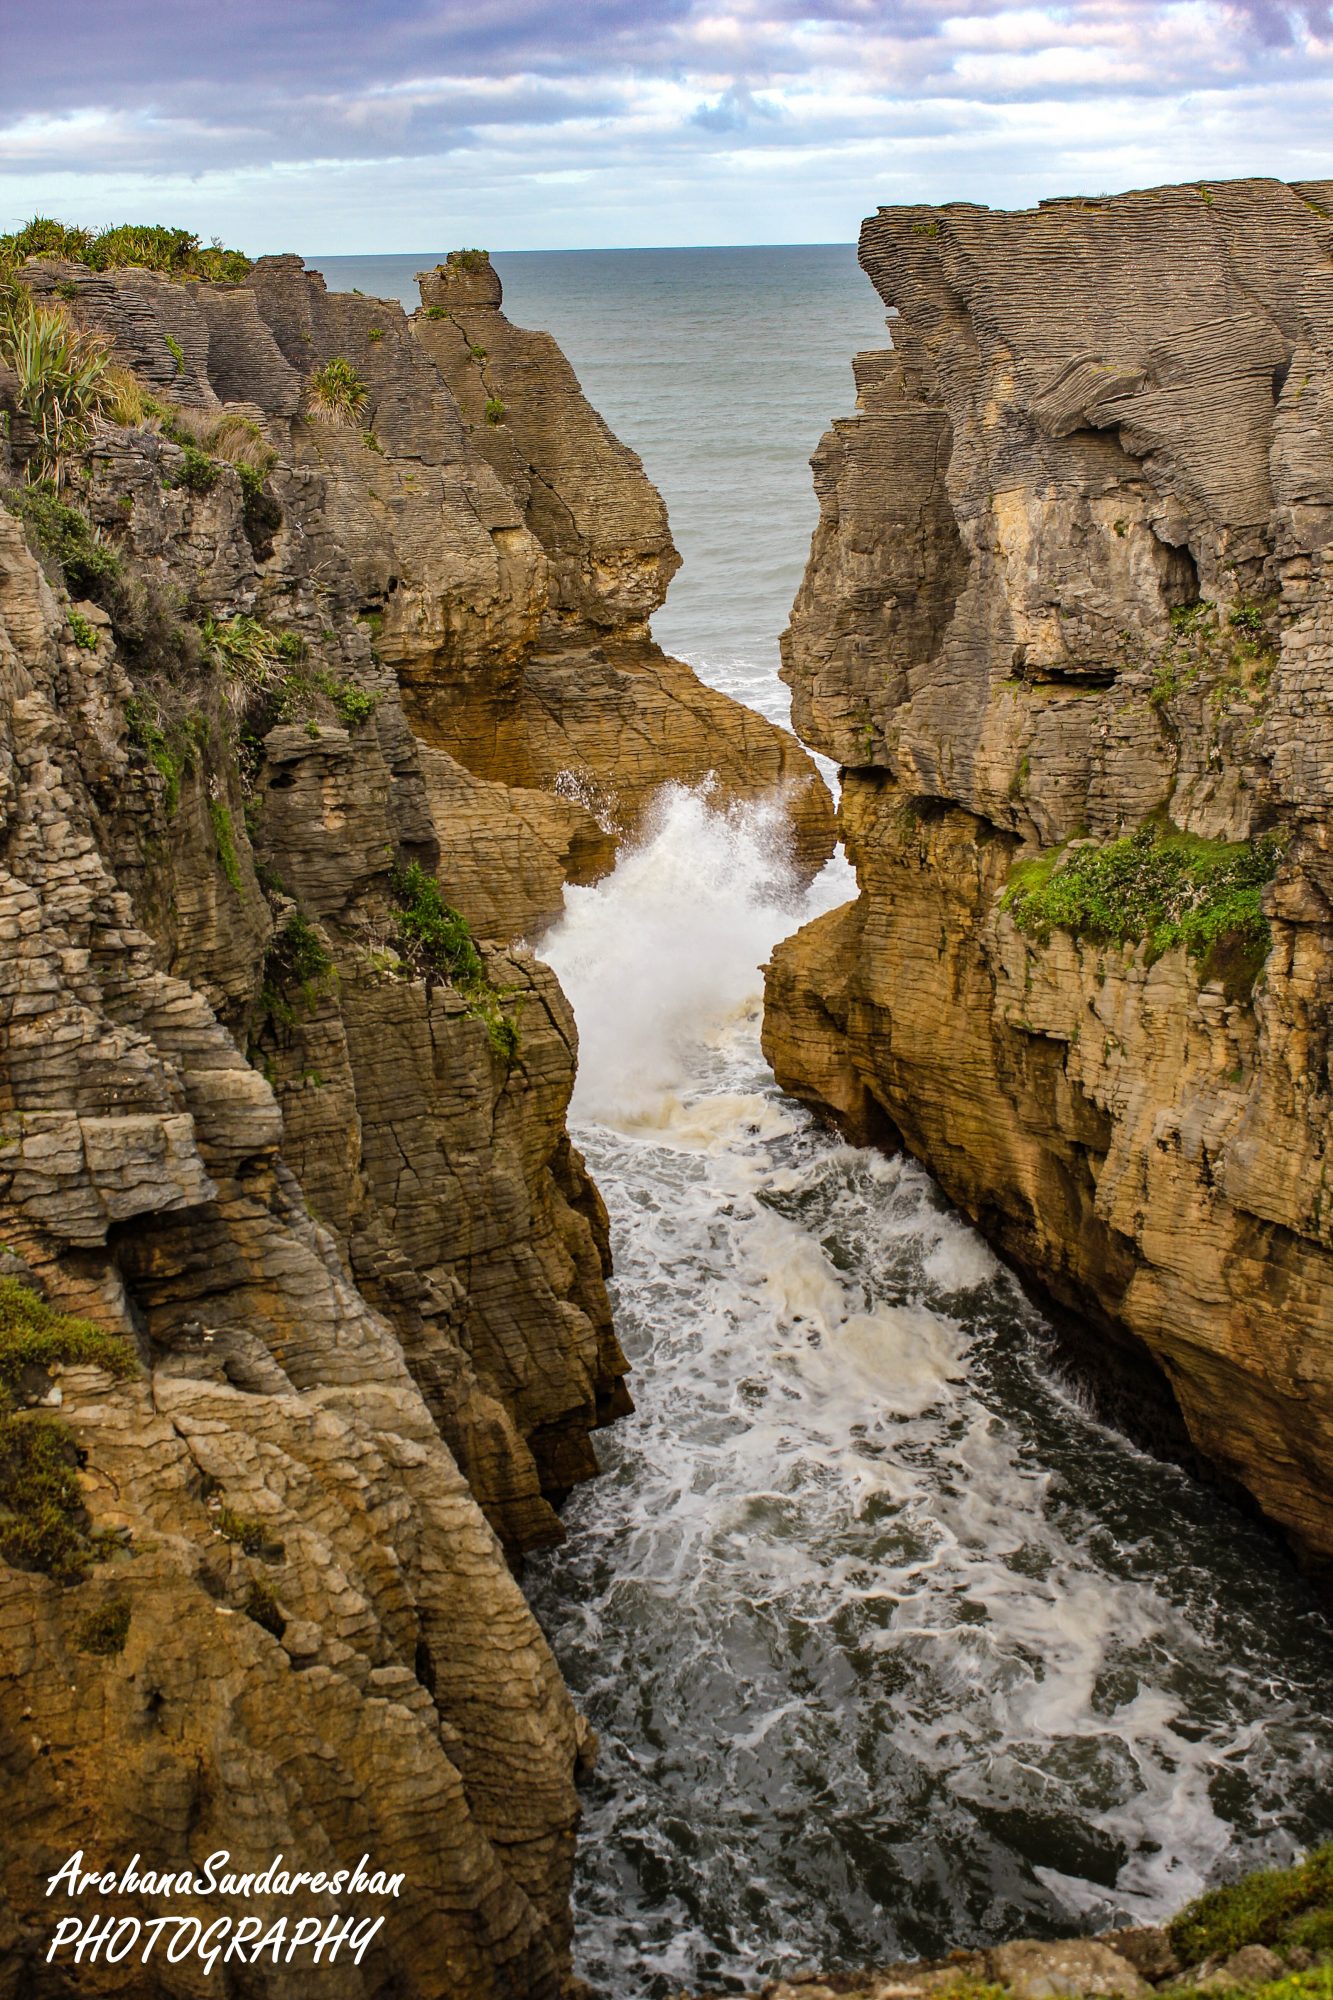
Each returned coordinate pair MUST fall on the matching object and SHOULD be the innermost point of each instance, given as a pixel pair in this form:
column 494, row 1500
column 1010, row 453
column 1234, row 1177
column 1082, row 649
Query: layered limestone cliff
column 307, row 654
column 1067, row 624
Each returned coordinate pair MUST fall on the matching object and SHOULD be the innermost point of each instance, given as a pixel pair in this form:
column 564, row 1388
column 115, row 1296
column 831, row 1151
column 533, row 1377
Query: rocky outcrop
column 1067, row 625
column 273, row 1115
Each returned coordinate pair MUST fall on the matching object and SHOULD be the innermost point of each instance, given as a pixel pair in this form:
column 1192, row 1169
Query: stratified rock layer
column 319, row 1179
column 1071, row 576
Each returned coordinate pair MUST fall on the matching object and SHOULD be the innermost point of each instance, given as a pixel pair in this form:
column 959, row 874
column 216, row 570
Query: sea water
column 890, row 1646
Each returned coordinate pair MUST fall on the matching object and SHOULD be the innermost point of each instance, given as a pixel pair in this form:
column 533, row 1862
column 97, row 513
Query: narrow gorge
column 390, row 927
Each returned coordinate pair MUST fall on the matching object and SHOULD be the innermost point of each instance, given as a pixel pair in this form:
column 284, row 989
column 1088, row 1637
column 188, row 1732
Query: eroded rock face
column 315, row 1170
column 1070, row 577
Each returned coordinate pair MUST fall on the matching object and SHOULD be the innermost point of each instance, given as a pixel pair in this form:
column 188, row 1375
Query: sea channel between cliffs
column 315, row 712
column 891, row 1645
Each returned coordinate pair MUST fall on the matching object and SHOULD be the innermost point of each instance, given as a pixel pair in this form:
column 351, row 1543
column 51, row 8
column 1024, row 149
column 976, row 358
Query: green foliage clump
column 1277, row 1907
column 61, row 378
column 335, row 393
column 376, row 333
column 105, row 1630
column 248, row 1533
column 224, row 842
column 249, row 649
column 470, row 260
column 199, row 472
column 43, row 1522
column 354, row 704
column 296, row 957
column 34, row 1335
column 85, row 634
column 1157, row 886
column 67, row 538
column 434, row 937
column 1235, row 659
column 371, row 442
column 477, row 351
column 146, row 731
column 176, row 351
column 495, row 410
column 177, row 253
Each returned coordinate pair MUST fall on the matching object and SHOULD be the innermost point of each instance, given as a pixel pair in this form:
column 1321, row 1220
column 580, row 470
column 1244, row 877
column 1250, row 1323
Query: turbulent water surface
column 889, row 1645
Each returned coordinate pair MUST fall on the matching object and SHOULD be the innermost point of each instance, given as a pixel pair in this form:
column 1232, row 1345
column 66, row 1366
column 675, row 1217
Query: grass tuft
column 105, row 1630
column 336, row 394
column 1277, row 1907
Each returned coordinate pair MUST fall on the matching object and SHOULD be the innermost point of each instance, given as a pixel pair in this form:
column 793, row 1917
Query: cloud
column 737, row 108
column 635, row 109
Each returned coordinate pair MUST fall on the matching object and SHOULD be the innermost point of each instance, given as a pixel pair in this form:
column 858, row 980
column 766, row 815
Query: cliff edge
column 309, row 711
column 1067, row 625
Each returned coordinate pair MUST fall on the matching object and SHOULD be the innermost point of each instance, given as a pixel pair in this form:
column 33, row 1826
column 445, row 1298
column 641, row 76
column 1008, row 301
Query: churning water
column 890, row 1646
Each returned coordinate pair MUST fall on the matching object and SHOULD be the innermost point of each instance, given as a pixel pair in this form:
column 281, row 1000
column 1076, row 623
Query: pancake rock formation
column 1067, row 624
column 318, row 683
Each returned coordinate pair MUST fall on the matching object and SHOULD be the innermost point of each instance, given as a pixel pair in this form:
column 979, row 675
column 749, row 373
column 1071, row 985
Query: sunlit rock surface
column 1071, row 578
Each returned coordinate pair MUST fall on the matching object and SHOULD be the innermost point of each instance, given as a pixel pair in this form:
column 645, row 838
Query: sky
column 358, row 126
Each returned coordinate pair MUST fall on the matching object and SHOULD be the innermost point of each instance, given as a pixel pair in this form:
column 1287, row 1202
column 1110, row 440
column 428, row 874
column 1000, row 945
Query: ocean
column 890, row 1646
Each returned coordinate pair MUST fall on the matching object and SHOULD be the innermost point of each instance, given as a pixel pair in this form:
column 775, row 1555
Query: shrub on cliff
column 43, row 1522
column 61, row 375
column 335, row 393
column 177, row 253
column 435, row 938
column 1157, row 886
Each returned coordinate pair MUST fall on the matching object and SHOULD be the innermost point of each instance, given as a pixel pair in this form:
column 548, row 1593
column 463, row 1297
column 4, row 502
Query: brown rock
column 1033, row 1971
column 1070, row 573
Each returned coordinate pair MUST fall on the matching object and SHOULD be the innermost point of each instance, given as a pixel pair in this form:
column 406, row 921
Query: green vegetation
column 376, row 333
column 61, row 379
column 177, row 253
column 1283, row 1908
column 296, row 957
column 470, row 260
column 335, row 393
column 85, row 634
column 224, row 842
column 477, row 351
column 34, row 1335
column 199, row 473
column 434, row 938
column 43, row 1522
column 63, row 534
column 105, row 1630
column 434, row 935
column 248, row 649
column 925, row 229
column 176, row 351
column 371, row 442
column 437, row 312
column 1157, row 886
column 144, row 723
column 1235, row 661
column 495, row 410
column 247, row 1533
